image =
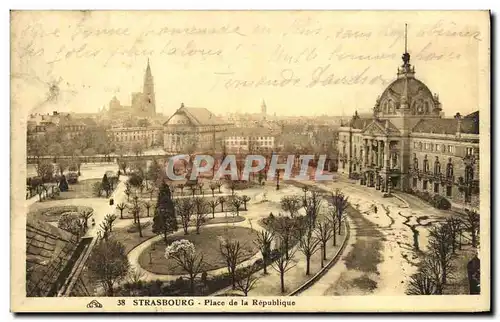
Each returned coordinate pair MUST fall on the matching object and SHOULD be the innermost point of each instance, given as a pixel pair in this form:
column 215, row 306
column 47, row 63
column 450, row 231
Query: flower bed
column 53, row 213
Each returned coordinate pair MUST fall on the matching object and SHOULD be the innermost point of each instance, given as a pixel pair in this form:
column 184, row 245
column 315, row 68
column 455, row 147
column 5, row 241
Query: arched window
column 449, row 169
column 437, row 166
column 469, row 174
column 426, row 107
column 426, row 164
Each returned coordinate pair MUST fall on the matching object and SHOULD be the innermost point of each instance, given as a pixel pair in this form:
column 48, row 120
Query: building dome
column 407, row 95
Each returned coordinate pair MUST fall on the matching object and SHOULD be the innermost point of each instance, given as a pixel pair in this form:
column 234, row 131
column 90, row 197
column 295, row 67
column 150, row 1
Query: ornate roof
column 198, row 116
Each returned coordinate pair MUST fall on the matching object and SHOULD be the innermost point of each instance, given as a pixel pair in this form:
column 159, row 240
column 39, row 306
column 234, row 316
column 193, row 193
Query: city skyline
column 217, row 68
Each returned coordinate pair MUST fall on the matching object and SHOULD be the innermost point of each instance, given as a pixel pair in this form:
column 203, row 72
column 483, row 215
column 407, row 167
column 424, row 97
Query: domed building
column 408, row 144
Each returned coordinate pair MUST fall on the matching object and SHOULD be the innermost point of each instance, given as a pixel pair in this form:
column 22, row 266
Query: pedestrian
column 375, row 209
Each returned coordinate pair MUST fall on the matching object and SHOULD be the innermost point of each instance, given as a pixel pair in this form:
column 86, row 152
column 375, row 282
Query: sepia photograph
column 250, row 161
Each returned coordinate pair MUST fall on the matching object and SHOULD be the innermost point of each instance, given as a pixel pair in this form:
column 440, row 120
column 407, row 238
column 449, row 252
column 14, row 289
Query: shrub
column 441, row 202
column 437, row 201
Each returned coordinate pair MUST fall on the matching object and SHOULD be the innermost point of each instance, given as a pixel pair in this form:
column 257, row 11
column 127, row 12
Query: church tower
column 263, row 110
column 149, row 92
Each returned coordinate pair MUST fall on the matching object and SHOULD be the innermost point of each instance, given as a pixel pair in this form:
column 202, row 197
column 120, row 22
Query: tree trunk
column 443, row 276
column 282, row 278
column 334, row 237
column 138, row 225
column 324, row 250
column 473, row 235
column 264, row 260
column 308, row 264
column 191, row 285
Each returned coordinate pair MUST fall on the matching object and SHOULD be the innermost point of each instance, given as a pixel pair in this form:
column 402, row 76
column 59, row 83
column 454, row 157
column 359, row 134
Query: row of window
column 469, row 170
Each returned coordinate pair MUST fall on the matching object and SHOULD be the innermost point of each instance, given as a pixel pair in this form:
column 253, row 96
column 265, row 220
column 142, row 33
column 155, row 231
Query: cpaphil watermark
column 183, row 166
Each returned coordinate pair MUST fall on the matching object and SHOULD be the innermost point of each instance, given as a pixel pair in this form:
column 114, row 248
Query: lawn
column 129, row 236
column 132, row 239
column 82, row 189
column 206, row 243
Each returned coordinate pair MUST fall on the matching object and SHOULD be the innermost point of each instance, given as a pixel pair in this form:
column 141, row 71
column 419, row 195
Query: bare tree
column 121, row 206
column 334, row 222
column 136, row 212
column 218, row 184
column 263, row 242
column 85, row 215
column 472, row 225
column 201, row 210
column 246, row 283
column 313, row 206
column 455, row 226
column 308, row 245
column 236, row 202
column 245, row 199
column 232, row 186
column 340, row 202
column 421, row 283
column 104, row 233
column 193, row 190
column 291, row 204
column 110, row 219
column 213, row 204
column 284, row 262
column 221, row 200
column 212, row 187
column 184, row 208
column 440, row 247
column 431, row 266
column 324, row 233
column 232, row 251
column 285, row 228
column 148, row 206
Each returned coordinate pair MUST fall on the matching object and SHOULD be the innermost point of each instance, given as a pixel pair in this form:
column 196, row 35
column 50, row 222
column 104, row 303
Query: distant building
column 409, row 146
column 128, row 136
column 192, row 129
column 41, row 124
column 250, row 140
column 143, row 104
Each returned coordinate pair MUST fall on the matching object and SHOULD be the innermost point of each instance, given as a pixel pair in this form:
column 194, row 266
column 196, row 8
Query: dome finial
column 406, row 69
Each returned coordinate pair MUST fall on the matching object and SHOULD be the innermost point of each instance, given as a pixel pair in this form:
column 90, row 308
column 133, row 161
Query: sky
column 299, row 62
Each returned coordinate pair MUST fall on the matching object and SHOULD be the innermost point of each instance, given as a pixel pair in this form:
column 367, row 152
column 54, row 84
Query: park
column 264, row 236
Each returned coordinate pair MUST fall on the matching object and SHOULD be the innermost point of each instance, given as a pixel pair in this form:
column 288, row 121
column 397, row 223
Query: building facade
column 147, row 137
column 191, row 130
column 250, row 140
column 408, row 145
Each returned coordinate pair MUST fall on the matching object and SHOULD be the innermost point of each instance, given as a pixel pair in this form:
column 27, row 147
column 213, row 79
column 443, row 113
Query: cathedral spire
column 149, row 91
